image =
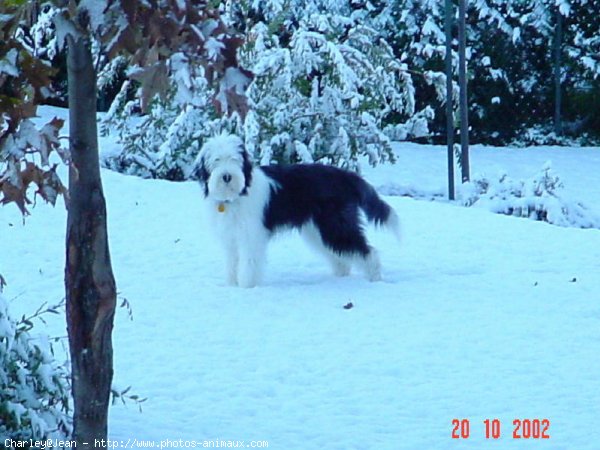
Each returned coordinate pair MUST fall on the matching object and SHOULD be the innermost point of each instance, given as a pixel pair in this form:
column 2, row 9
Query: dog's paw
column 247, row 284
column 374, row 276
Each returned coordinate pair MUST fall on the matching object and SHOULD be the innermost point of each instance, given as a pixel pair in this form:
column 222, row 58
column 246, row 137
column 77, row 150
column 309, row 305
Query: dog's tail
column 378, row 211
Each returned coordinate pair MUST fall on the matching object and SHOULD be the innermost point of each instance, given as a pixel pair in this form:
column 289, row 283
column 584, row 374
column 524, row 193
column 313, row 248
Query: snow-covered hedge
column 541, row 197
column 34, row 392
column 325, row 86
column 545, row 135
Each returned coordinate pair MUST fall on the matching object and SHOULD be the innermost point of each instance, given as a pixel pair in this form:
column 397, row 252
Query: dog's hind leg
column 371, row 265
column 340, row 264
column 343, row 235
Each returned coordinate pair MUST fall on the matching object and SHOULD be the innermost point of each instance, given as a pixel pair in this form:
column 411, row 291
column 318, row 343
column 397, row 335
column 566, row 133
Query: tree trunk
column 557, row 62
column 449, row 98
column 89, row 282
column 462, row 81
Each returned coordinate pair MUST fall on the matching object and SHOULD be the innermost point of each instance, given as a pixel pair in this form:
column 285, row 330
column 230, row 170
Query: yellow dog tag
column 221, row 207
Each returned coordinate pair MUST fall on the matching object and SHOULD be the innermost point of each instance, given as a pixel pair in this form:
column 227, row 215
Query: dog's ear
column 247, row 170
column 201, row 173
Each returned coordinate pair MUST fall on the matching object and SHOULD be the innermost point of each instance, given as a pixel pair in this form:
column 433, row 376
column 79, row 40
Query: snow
column 64, row 28
column 234, row 81
column 213, row 48
column 431, row 28
column 479, row 316
column 95, row 9
column 564, row 7
column 8, row 65
column 516, row 35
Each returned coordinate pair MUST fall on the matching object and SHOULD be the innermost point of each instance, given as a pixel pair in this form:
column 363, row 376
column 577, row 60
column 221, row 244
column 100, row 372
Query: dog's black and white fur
column 248, row 204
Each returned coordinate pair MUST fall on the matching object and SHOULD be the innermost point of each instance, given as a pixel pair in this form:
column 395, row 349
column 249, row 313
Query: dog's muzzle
column 226, row 184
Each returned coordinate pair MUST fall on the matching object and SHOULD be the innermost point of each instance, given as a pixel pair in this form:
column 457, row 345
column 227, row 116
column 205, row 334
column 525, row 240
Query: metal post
column 557, row 74
column 449, row 109
column 462, row 81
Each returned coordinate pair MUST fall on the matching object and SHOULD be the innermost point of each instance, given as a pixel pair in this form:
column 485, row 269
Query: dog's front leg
column 232, row 263
column 252, row 261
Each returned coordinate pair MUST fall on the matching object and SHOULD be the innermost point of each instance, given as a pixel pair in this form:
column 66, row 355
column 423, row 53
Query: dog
column 247, row 205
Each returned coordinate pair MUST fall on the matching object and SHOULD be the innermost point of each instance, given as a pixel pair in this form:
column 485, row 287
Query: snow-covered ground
column 479, row 316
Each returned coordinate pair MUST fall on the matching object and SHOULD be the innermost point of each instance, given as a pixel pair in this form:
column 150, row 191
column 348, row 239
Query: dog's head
column 224, row 168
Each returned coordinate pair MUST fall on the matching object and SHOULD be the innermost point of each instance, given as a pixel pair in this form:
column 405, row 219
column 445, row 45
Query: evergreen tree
column 325, row 84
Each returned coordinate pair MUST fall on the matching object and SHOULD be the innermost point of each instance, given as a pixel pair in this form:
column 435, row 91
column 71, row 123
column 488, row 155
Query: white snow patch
column 8, row 65
column 479, row 316
column 95, row 10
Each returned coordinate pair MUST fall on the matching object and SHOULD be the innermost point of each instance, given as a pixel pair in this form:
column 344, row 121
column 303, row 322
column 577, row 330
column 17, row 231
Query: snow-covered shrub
column 324, row 85
column 323, row 93
column 164, row 142
column 545, row 135
column 34, row 391
column 541, row 197
column 148, row 140
column 415, row 127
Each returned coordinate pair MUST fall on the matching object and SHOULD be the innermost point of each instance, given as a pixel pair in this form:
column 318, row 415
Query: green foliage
column 15, row 3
